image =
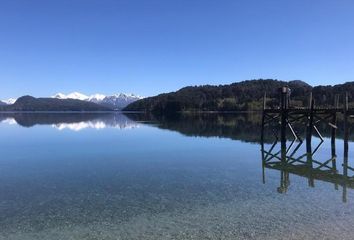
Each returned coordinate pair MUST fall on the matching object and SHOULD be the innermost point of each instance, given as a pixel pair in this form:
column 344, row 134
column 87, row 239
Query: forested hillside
column 29, row 103
column 242, row 96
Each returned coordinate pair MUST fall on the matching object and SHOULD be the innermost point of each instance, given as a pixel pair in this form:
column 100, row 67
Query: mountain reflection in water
column 70, row 121
column 237, row 126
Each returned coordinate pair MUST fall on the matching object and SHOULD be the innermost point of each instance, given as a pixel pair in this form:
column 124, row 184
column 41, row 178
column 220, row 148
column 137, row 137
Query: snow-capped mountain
column 117, row 101
column 96, row 97
column 9, row 101
column 73, row 95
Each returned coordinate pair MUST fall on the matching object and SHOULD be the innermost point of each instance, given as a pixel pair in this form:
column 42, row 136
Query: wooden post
column 284, row 181
column 262, row 137
column 309, row 139
column 284, row 121
column 346, row 131
column 336, row 101
column 310, row 100
column 265, row 101
column 333, row 136
column 263, row 163
column 346, row 138
column 333, row 146
column 310, row 121
column 284, row 114
column 334, row 128
column 263, row 116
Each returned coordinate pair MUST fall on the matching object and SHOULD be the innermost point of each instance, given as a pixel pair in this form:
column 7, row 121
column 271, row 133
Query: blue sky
column 153, row 46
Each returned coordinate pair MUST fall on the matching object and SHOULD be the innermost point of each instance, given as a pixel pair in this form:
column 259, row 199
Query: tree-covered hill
column 241, row 96
column 29, row 103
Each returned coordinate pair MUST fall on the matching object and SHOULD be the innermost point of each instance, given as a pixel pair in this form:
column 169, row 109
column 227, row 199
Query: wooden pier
column 288, row 120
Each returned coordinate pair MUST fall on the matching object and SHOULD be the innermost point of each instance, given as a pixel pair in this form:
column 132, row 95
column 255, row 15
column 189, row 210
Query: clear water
column 111, row 176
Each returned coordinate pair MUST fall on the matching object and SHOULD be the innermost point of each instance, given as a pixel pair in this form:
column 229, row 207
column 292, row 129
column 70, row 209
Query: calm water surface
column 112, row 176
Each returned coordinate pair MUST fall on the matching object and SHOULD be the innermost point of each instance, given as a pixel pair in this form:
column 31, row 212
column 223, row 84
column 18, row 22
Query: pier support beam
column 263, row 116
column 333, row 137
column 346, row 138
column 284, row 115
column 309, row 139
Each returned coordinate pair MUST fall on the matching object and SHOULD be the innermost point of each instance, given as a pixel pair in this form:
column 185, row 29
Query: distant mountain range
column 113, row 102
column 116, row 102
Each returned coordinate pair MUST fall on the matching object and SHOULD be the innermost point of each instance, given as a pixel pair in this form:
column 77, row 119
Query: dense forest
column 241, row 96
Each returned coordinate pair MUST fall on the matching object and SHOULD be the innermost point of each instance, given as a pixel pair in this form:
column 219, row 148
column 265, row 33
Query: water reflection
column 293, row 158
column 300, row 160
column 70, row 121
column 244, row 126
column 240, row 126
column 137, row 184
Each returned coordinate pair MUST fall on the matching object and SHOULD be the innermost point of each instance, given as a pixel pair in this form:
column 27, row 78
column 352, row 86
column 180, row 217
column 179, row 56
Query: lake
column 134, row 176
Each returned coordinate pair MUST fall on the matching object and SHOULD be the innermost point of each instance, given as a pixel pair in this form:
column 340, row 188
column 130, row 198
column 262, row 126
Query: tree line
column 241, row 96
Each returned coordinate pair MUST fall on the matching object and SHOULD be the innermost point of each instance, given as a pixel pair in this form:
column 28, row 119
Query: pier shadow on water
column 295, row 158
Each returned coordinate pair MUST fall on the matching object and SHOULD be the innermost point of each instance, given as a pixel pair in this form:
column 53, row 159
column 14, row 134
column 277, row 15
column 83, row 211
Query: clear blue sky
column 153, row 46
